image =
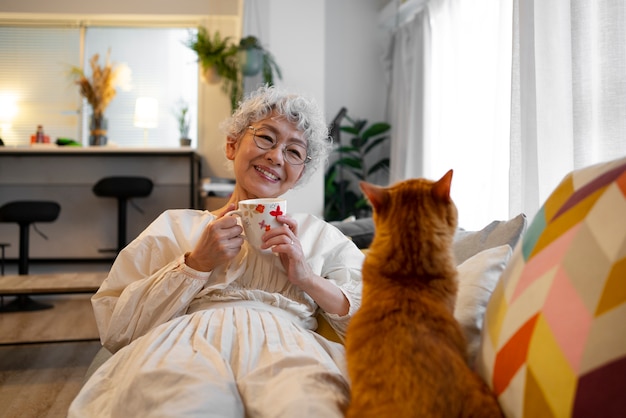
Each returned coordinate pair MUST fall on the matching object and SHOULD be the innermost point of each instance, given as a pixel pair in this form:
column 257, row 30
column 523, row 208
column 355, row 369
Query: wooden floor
column 44, row 354
column 71, row 318
column 41, row 380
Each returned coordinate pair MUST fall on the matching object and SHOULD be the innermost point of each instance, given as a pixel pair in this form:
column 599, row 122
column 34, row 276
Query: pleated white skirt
column 230, row 359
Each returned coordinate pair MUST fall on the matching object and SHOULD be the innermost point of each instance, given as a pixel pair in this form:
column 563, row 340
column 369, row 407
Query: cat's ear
column 441, row 189
column 375, row 194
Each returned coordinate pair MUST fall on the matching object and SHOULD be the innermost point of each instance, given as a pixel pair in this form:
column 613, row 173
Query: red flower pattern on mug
column 260, row 208
column 276, row 212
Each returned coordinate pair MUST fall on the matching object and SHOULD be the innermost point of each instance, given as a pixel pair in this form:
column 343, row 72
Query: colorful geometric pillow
column 554, row 337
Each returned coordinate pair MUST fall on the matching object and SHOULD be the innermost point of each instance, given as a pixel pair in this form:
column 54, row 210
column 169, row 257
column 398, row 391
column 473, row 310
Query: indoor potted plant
column 217, row 56
column 254, row 58
column 183, row 118
column 224, row 61
column 353, row 162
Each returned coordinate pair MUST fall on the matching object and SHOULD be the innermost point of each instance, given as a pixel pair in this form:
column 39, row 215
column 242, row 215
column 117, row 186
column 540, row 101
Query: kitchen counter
column 87, row 223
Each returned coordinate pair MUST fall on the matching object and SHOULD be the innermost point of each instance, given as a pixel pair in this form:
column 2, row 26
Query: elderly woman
column 200, row 324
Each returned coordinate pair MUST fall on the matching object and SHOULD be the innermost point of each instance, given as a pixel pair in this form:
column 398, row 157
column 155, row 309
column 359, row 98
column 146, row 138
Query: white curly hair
column 301, row 111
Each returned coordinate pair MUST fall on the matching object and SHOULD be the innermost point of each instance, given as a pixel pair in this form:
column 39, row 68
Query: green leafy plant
column 251, row 49
column 181, row 113
column 219, row 54
column 231, row 62
column 214, row 51
column 355, row 161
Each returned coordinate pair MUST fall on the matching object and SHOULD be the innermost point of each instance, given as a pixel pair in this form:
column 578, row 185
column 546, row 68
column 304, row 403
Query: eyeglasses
column 294, row 154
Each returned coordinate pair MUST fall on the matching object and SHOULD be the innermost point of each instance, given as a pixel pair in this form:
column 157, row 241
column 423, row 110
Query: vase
column 98, row 125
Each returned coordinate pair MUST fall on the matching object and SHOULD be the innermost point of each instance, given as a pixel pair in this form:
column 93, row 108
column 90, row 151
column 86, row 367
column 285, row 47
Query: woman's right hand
column 220, row 242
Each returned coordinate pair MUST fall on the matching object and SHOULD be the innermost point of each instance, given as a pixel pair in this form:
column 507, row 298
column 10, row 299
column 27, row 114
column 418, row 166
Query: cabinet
column 87, row 223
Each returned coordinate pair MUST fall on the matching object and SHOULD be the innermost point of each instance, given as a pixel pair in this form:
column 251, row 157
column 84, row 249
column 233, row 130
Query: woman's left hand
column 284, row 242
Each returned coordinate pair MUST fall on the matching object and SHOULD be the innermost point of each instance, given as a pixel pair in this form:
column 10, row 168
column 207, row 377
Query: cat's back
column 405, row 350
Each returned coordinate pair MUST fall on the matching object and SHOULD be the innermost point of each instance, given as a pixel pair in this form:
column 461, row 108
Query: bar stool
column 3, row 245
column 25, row 213
column 123, row 188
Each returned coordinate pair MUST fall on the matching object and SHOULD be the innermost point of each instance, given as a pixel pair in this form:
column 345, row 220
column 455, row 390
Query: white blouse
column 149, row 283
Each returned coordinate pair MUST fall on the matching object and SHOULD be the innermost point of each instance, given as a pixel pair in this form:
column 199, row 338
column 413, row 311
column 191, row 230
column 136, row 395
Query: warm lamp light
column 146, row 115
column 8, row 110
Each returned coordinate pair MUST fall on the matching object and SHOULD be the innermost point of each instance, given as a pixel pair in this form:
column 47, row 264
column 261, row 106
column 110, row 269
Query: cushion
column 478, row 276
column 360, row 231
column 470, row 243
column 554, row 340
column 466, row 243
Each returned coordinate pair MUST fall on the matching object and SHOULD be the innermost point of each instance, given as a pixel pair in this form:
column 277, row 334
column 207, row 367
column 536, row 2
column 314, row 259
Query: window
column 35, row 82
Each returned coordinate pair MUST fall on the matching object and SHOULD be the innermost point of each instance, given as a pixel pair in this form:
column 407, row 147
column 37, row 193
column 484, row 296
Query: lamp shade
column 146, row 112
column 8, row 109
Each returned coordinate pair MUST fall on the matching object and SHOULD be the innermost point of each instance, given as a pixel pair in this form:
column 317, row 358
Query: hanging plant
column 214, row 52
column 219, row 61
column 226, row 62
column 253, row 58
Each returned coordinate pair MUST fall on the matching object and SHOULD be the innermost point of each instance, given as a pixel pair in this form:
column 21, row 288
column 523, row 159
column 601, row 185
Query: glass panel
column 34, row 67
column 162, row 67
column 36, row 88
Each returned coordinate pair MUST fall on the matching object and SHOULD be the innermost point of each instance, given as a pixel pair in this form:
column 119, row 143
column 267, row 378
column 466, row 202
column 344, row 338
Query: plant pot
column 98, row 125
column 210, row 76
column 251, row 61
column 185, row 142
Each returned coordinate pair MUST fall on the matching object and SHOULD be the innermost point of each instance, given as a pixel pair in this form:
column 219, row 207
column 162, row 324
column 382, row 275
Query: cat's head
column 413, row 217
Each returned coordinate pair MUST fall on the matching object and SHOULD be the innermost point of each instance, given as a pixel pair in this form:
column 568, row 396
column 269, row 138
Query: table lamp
column 8, row 110
column 146, row 115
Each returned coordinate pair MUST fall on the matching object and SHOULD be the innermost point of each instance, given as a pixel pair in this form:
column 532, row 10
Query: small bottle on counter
column 39, row 136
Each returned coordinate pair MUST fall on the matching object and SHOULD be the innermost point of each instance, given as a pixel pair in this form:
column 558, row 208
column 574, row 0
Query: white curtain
column 569, row 92
column 511, row 94
column 449, row 103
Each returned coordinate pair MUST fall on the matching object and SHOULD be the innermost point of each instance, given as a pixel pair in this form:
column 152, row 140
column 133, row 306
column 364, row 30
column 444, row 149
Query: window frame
column 83, row 23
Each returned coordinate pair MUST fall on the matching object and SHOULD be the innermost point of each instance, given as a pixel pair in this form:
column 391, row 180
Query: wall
column 329, row 50
column 354, row 46
column 142, row 7
column 355, row 73
column 298, row 46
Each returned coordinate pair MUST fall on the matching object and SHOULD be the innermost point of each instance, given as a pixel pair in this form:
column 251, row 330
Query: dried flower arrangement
column 100, row 90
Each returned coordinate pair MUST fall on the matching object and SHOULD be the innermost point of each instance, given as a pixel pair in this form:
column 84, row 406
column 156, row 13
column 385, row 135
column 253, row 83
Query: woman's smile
column 267, row 173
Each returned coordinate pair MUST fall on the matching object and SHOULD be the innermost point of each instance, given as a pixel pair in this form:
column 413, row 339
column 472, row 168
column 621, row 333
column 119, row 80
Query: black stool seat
column 24, row 213
column 122, row 188
column 29, row 211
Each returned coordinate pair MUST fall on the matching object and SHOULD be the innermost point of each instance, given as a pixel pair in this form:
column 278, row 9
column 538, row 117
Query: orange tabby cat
column 406, row 352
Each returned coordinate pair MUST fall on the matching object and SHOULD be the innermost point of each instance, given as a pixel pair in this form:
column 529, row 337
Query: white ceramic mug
column 258, row 216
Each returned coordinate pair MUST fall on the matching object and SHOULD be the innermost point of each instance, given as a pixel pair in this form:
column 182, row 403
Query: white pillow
column 478, row 277
column 470, row 243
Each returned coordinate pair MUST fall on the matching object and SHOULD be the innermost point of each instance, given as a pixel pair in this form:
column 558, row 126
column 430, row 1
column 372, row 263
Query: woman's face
column 264, row 172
